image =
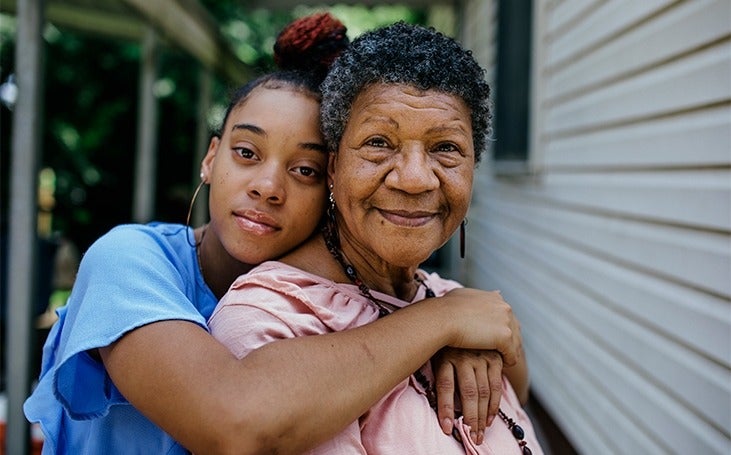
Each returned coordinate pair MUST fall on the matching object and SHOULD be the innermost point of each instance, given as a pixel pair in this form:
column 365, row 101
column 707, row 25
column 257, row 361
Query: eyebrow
column 381, row 119
column 314, row 146
column 261, row 132
column 445, row 128
column 249, row 127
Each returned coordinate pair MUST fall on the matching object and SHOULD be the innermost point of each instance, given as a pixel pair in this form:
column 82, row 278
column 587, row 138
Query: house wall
column 615, row 247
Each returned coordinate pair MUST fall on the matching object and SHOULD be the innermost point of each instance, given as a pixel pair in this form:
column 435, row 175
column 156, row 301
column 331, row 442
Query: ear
column 207, row 163
column 331, row 162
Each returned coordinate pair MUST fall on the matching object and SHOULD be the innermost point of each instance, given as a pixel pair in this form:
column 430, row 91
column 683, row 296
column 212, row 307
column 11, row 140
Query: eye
column 307, row 171
column 244, row 152
column 449, row 154
column 378, row 142
column 446, row 147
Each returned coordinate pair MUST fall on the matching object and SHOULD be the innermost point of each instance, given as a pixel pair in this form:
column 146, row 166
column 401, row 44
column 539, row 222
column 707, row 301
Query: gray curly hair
column 405, row 54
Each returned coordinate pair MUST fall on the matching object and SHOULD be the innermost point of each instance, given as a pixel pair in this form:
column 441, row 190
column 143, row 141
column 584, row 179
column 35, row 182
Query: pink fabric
column 276, row 301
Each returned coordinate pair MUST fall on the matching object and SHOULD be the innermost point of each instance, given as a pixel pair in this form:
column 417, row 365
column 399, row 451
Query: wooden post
column 23, row 239
column 146, row 162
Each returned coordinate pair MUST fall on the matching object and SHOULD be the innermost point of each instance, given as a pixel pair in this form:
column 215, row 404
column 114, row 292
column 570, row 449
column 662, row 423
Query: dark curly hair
column 405, row 54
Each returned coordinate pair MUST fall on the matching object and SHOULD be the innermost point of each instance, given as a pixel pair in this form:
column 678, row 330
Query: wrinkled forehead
column 383, row 92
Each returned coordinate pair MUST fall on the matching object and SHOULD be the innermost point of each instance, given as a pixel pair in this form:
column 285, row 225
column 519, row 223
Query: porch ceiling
column 181, row 23
column 287, row 4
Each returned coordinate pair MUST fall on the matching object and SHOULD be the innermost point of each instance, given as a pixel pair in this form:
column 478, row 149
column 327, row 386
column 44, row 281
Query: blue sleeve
column 128, row 278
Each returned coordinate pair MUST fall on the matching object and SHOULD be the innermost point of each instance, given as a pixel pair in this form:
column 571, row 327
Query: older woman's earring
column 462, row 238
column 329, row 230
column 331, row 205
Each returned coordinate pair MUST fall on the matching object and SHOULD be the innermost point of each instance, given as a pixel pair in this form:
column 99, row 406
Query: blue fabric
column 132, row 276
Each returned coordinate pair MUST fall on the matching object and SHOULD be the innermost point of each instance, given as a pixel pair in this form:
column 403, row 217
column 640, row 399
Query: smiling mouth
column 408, row 219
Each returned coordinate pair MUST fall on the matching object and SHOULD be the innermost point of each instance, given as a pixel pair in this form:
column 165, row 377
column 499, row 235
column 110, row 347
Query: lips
column 256, row 222
column 406, row 218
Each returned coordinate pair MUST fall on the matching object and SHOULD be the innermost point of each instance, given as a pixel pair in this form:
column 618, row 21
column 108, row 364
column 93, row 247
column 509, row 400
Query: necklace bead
column 517, row 431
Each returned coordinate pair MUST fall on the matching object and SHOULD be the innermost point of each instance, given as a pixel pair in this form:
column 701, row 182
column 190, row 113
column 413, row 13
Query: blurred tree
column 89, row 128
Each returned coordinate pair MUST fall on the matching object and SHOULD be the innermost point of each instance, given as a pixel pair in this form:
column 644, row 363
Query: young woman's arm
column 293, row 394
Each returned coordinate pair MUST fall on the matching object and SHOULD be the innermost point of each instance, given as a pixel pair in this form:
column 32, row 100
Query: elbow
column 249, row 433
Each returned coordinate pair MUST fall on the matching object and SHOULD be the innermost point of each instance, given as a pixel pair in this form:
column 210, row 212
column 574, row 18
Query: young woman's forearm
column 337, row 377
column 289, row 395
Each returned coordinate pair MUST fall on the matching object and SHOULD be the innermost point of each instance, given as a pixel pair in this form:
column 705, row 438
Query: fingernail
column 480, row 437
column 489, row 420
column 473, row 436
column 447, row 425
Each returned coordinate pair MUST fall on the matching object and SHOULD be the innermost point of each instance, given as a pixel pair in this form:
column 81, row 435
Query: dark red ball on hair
column 310, row 43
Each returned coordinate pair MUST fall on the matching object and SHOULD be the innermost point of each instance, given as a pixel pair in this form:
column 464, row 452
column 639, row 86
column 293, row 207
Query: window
column 512, row 95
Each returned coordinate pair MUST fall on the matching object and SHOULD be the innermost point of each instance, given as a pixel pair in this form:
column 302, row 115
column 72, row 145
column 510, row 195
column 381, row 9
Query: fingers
column 444, row 377
column 469, row 395
column 484, row 392
column 494, row 378
column 481, row 410
column 477, row 376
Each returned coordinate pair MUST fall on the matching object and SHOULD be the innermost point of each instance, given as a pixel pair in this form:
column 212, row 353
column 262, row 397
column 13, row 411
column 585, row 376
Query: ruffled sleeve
column 128, row 278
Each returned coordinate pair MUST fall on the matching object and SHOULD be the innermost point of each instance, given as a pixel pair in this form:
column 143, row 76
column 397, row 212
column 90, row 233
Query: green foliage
column 359, row 18
column 90, row 111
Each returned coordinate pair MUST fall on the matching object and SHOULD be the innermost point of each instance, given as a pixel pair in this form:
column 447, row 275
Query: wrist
column 441, row 321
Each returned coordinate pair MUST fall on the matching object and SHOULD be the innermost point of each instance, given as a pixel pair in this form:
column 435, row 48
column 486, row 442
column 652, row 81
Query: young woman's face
column 267, row 175
column 402, row 176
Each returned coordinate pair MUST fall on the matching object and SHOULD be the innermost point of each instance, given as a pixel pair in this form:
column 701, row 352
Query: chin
column 254, row 259
column 405, row 257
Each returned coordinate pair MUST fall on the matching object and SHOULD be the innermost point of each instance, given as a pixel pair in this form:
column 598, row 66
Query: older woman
column 405, row 114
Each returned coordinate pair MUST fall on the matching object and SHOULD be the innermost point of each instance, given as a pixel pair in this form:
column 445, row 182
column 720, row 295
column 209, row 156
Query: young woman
column 130, row 366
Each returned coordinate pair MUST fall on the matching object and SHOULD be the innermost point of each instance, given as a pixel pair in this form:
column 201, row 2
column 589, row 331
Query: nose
column 268, row 184
column 413, row 172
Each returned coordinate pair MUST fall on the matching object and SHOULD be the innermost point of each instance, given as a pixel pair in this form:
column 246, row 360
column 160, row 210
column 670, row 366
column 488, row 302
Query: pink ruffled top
column 276, row 301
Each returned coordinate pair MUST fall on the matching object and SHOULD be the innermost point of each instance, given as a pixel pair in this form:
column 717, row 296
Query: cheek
column 309, row 210
column 360, row 180
column 218, row 189
column 459, row 193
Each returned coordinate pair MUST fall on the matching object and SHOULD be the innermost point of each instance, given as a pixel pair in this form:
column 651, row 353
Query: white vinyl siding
column 615, row 247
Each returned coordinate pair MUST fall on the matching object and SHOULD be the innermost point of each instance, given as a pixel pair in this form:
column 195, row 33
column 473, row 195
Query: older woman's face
column 403, row 173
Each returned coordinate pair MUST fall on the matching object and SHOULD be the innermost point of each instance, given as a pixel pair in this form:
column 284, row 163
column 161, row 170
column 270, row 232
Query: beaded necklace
column 384, row 308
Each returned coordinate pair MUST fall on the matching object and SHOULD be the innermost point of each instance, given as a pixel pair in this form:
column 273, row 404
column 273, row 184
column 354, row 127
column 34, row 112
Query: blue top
column 132, row 276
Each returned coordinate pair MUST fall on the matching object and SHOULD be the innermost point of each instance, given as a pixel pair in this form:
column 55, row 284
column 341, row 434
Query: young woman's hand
column 482, row 320
column 470, row 380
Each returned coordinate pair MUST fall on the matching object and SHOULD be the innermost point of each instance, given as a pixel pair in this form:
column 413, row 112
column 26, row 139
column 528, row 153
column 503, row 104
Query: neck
column 218, row 267
column 382, row 277
column 371, row 270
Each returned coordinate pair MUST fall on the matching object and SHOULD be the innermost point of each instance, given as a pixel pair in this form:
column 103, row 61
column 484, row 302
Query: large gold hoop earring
column 192, row 201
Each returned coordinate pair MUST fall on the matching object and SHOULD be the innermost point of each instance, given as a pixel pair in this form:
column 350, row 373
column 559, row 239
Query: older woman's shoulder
column 437, row 283
column 304, row 300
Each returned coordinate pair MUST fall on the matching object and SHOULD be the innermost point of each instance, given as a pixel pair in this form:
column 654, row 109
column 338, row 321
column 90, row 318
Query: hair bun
column 310, row 43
